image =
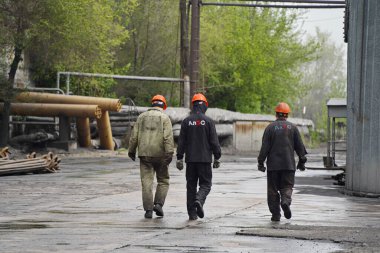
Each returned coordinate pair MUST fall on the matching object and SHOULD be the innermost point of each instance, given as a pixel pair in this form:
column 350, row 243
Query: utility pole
column 4, row 116
column 185, row 87
column 194, row 46
column 7, row 93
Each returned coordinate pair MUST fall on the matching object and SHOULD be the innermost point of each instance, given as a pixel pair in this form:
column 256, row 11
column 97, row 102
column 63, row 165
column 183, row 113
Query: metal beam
column 276, row 6
column 142, row 78
column 184, row 11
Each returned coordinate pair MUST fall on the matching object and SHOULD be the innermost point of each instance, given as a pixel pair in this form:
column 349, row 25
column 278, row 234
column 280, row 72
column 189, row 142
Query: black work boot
column 158, row 210
column 287, row 211
column 199, row 207
column 193, row 217
column 275, row 217
column 148, row 214
column 192, row 213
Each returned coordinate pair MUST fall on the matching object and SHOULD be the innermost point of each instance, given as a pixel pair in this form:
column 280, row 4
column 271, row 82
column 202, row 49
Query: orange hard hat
column 282, row 107
column 160, row 98
column 199, row 97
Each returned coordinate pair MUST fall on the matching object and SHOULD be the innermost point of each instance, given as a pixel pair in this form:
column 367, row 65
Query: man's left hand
column 216, row 164
column 261, row 167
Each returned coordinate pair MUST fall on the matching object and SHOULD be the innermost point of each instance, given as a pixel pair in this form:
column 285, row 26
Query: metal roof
column 337, row 102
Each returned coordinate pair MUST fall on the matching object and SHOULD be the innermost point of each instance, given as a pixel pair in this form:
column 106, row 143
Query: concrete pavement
column 94, row 205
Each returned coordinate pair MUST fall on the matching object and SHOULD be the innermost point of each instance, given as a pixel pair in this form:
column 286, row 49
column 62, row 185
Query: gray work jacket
column 280, row 140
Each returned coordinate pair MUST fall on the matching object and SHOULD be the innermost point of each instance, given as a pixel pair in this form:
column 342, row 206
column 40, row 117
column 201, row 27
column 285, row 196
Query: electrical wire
column 321, row 20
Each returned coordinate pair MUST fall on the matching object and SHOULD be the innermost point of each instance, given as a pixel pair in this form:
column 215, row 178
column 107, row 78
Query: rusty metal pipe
column 20, row 165
column 108, row 104
column 105, row 131
column 52, row 110
column 83, row 131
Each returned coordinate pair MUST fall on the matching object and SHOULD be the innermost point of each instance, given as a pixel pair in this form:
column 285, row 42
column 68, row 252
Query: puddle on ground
column 21, row 226
column 83, row 212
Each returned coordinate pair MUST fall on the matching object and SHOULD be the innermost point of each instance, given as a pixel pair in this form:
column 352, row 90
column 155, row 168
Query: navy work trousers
column 197, row 173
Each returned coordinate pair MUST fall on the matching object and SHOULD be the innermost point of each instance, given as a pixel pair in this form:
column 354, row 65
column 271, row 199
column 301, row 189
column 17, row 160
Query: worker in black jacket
column 198, row 141
column 280, row 140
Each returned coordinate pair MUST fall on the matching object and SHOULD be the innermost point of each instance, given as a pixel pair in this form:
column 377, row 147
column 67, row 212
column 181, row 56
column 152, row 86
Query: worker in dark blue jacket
column 198, row 141
column 280, row 140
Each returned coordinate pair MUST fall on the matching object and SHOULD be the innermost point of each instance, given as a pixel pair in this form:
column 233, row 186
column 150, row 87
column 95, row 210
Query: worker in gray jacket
column 152, row 136
column 280, row 140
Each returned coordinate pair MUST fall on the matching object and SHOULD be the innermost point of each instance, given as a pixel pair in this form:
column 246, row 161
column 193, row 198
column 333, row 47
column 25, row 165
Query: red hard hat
column 199, row 97
column 282, row 107
column 160, row 98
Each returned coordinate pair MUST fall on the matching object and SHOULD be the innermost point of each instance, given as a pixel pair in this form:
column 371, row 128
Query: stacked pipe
column 51, row 110
column 122, row 121
column 48, row 163
column 4, row 153
column 94, row 107
column 107, row 104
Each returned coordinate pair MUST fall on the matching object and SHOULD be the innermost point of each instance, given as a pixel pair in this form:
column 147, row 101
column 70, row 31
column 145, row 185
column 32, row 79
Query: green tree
column 17, row 23
column 81, row 36
column 153, row 50
column 323, row 78
column 250, row 57
column 71, row 35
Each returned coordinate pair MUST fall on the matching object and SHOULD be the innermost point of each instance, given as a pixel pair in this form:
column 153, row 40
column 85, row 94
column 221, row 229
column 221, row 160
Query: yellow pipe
column 83, row 131
column 107, row 104
column 105, row 131
column 53, row 110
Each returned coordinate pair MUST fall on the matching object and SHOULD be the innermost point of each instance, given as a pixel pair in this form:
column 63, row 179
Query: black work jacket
column 280, row 140
column 198, row 139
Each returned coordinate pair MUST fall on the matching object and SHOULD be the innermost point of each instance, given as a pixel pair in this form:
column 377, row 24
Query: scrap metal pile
column 48, row 163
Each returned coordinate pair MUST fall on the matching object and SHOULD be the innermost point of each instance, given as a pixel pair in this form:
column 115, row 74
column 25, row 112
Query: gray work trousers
column 149, row 166
column 279, row 189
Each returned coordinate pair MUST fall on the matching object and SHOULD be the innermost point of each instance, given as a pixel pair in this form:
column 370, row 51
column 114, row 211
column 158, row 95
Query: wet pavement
column 94, row 205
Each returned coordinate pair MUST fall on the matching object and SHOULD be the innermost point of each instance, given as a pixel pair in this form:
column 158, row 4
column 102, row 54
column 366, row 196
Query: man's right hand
column 301, row 166
column 261, row 167
column 179, row 164
column 132, row 156
column 168, row 158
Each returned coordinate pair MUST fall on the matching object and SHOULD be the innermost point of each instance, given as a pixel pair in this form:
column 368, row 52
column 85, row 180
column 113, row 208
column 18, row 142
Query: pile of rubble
column 48, row 163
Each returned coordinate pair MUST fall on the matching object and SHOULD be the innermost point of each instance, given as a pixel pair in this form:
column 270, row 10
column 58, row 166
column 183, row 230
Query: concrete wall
column 248, row 135
column 243, row 131
column 22, row 78
column 363, row 98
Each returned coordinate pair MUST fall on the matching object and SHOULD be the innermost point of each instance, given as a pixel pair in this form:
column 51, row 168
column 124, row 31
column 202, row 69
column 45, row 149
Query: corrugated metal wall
column 363, row 99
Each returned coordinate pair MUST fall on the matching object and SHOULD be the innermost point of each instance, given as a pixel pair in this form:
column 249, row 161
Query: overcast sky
column 330, row 20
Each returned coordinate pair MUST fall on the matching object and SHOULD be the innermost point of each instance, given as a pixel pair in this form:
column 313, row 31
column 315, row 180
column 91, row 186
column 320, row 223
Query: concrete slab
column 94, row 205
